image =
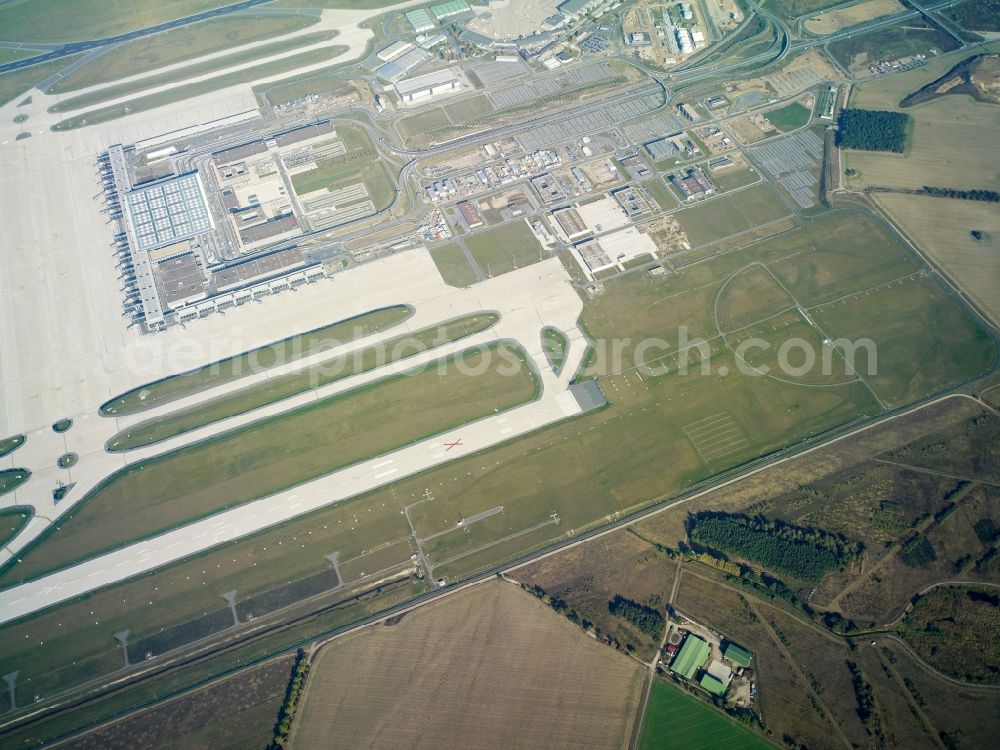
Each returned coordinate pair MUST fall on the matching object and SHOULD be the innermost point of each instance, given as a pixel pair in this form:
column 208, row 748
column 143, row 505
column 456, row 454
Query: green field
column 790, row 117
column 917, row 36
column 11, row 479
column 360, row 163
column 977, row 15
column 16, row 83
column 58, row 21
column 511, row 246
column 661, row 194
column 187, row 43
column 732, row 178
column 180, row 93
column 12, row 55
column 453, row 265
column 273, row 454
column 645, row 446
column 11, row 444
column 721, row 217
column 279, row 352
column 11, row 522
column 424, row 122
column 675, row 719
column 284, row 386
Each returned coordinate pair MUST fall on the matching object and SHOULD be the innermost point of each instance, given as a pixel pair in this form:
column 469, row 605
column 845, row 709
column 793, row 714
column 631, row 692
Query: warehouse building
column 405, row 63
column 441, row 11
column 736, row 654
column 693, row 654
column 427, row 85
column 393, row 51
column 420, row 20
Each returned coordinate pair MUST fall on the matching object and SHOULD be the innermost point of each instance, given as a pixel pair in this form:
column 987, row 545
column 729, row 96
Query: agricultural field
column 942, row 150
column 359, row 164
column 916, row 37
column 188, row 43
column 271, row 355
column 511, row 246
column 587, row 579
column 842, row 18
column 732, row 178
column 276, row 453
column 942, row 228
column 956, row 629
column 675, row 719
column 726, row 215
column 412, row 686
column 453, row 265
column 234, row 714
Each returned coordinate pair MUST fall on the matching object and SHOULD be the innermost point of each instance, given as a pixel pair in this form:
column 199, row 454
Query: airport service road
column 555, row 404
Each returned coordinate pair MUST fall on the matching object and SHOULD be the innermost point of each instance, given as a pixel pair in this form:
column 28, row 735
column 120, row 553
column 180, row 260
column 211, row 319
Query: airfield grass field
column 11, row 55
column 661, row 194
column 187, row 43
column 90, row 19
column 11, row 479
column 11, row 444
column 11, row 522
column 359, row 164
column 17, row 83
column 511, row 246
column 732, row 178
column 453, row 265
column 675, row 719
column 280, row 352
column 555, row 345
column 186, row 91
column 720, row 217
column 424, row 122
column 942, row 230
column 273, row 454
column 653, row 441
column 412, row 685
column 284, row 386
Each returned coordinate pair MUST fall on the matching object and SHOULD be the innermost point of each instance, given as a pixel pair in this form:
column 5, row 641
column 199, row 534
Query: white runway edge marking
column 385, row 473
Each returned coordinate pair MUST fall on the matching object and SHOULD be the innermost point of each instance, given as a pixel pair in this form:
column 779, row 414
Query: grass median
column 285, row 386
column 279, row 352
column 275, row 454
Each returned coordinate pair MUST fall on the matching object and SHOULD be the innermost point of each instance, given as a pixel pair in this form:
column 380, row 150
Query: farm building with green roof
column 449, row 9
column 737, row 655
column 713, row 685
column 692, row 656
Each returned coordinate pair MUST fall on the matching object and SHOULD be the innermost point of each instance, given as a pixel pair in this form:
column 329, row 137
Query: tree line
column 872, row 130
column 804, row 553
column 287, row 711
column 646, row 619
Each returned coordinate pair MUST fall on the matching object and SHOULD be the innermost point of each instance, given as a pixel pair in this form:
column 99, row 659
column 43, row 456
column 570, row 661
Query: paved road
column 73, row 48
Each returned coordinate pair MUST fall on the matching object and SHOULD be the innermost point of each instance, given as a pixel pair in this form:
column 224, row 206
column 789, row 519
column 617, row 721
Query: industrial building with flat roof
column 395, row 69
column 428, row 84
column 692, row 656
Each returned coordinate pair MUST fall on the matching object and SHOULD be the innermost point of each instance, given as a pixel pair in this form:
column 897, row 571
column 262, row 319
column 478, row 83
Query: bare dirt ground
column 491, row 667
